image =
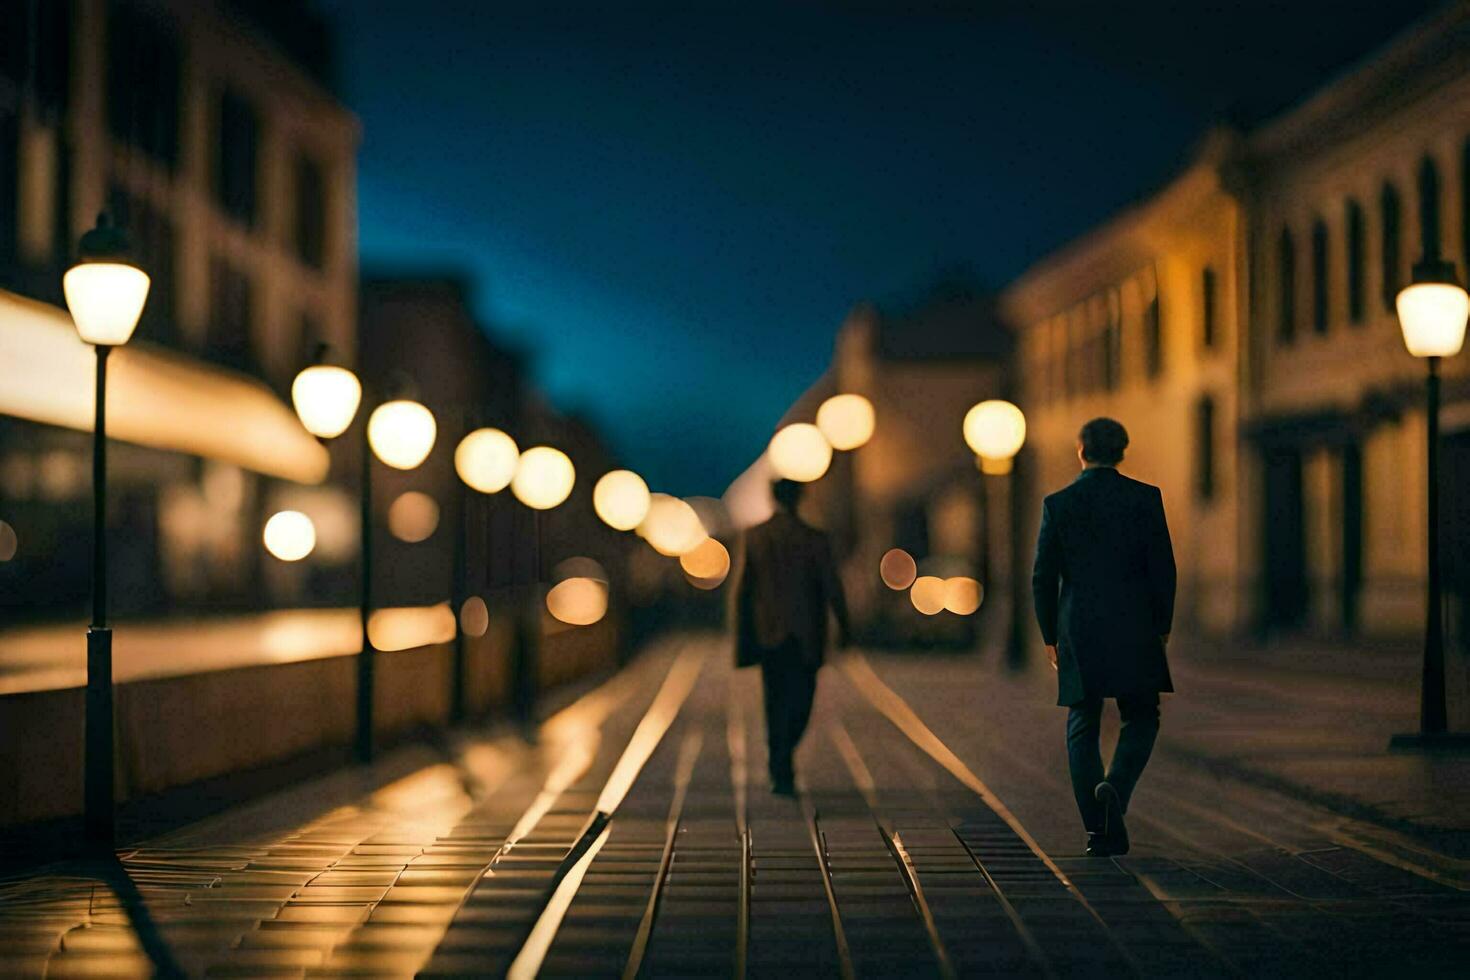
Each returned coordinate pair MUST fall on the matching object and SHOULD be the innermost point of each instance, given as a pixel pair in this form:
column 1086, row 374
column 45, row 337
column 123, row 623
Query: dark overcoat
column 786, row 583
column 1103, row 586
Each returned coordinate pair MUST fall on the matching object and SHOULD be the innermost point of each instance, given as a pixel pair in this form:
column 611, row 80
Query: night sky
column 673, row 209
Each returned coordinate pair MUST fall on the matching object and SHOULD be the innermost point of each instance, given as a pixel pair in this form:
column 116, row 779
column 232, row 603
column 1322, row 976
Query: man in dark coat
column 1103, row 586
column 788, row 581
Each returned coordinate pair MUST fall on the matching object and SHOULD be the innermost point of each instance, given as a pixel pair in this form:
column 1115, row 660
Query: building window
column 1319, row 277
column 1354, row 219
column 150, row 230
column 1204, row 442
column 143, row 71
column 311, row 212
column 1113, row 343
column 1389, row 257
column 45, row 28
column 228, row 339
column 1286, row 286
column 236, row 152
column 1208, row 313
column 1429, row 237
column 1153, row 330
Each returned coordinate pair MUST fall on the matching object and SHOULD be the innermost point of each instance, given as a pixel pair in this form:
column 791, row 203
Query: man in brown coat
column 788, row 581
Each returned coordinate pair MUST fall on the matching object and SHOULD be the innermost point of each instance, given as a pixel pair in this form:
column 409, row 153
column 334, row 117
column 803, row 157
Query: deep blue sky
column 673, row 209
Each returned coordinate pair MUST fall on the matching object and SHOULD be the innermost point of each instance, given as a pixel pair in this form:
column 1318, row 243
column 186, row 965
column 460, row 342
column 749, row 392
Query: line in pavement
column 735, row 739
column 839, row 935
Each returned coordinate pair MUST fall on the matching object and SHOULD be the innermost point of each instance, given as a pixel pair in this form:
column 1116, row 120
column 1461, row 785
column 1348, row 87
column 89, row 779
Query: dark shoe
column 1097, row 846
column 1116, row 832
column 783, row 787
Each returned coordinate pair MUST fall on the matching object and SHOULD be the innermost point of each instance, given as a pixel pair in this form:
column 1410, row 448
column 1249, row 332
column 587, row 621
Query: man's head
column 1101, row 442
column 787, row 494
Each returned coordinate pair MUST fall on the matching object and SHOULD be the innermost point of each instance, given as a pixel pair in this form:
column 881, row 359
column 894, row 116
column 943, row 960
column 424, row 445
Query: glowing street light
column 544, row 478
column 105, row 292
column 402, row 433
column 290, row 535
column 621, row 499
column 927, row 594
column 995, row 430
column 326, row 398
column 847, row 421
column 800, row 452
column 898, row 569
column 1432, row 313
column 672, row 527
column 486, row 460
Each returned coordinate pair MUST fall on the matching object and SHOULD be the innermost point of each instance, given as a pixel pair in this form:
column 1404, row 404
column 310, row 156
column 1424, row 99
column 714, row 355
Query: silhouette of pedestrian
column 1103, row 586
column 787, row 583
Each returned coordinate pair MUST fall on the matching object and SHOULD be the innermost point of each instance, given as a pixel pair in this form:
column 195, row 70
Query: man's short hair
column 787, row 493
column 1103, row 441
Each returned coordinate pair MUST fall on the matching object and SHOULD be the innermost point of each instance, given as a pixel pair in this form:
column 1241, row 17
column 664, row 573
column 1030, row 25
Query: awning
column 155, row 397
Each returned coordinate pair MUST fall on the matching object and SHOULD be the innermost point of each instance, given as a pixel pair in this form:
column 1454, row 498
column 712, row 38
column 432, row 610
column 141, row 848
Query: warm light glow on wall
column 709, row 560
column 672, row 527
column 402, row 433
column 544, row 478
column 407, row 627
column 486, row 460
column 577, row 601
column 995, row 430
column 105, row 299
column 326, row 399
column 927, row 594
column 413, row 516
column 290, row 535
column 474, row 617
column 800, row 452
column 962, row 595
column 1432, row 316
column 847, row 421
column 898, row 569
column 621, row 499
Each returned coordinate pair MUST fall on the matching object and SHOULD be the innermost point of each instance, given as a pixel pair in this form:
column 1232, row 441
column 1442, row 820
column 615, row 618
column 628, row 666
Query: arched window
column 1319, row 277
column 1286, row 284
column 1429, row 237
column 1389, row 258
column 1354, row 221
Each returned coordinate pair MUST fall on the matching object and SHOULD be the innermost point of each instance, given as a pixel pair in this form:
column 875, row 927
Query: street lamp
column 105, row 292
column 1432, row 312
column 800, row 452
column 401, row 433
column 995, row 431
column 621, row 499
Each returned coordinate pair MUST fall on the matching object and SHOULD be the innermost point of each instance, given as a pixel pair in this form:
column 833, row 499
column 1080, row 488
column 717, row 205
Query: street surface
column 934, row 836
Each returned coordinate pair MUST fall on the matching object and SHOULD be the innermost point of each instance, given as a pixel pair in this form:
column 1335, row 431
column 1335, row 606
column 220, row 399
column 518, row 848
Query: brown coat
column 787, row 582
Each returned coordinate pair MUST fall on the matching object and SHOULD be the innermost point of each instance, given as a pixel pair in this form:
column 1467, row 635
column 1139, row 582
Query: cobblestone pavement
column 934, row 836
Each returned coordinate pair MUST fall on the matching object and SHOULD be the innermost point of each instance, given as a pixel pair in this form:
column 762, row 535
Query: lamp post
column 543, row 480
column 995, row 430
column 1432, row 312
column 400, row 432
column 105, row 292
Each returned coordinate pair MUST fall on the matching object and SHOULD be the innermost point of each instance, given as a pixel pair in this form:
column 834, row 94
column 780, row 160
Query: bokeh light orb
column 577, row 601
column 290, row 535
column 898, row 569
column 544, row 478
column 401, row 433
column 474, row 617
column 800, row 452
column 413, row 516
column 326, row 398
column 621, row 499
column 847, row 421
column 927, row 594
column 710, row 560
column 995, row 431
column 9, row 542
column 962, row 595
column 672, row 527
column 486, row 460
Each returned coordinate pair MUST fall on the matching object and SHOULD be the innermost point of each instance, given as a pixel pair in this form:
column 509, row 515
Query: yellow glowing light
column 290, row 535
column 474, row 616
column 402, row 433
column 962, row 595
column 846, row 420
column 413, row 516
column 1432, row 316
column 800, row 452
column 578, row 601
column 105, row 299
column 898, row 569
column 407, row 627
column 621, row 499
column 672, row 527
column 927, row 594
column 995, row 430
column 544, row 478
column 709, row 560
column 486, row 460
column 9, row 542
column 326, row 399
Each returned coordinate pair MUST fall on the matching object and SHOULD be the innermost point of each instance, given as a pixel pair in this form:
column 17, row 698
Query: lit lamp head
column 486, row 460
column 800, row 452
column 105, row 290
column 846, row 420
column 326, row 397
column 621, row 499
column 543, row 478
column 401, row 433
column 995, row 431
column 1432, row 311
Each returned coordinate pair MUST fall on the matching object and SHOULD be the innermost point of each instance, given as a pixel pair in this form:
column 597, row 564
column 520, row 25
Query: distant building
column 205, row 128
